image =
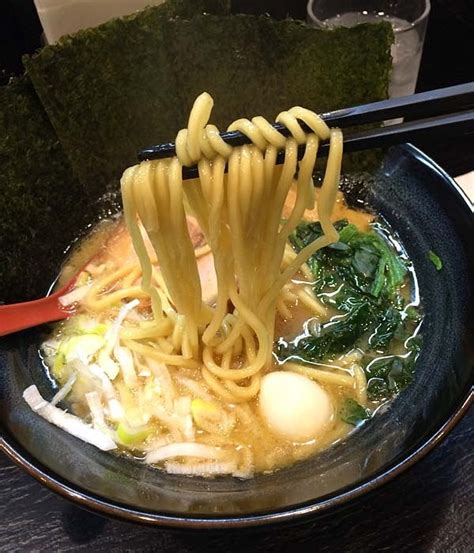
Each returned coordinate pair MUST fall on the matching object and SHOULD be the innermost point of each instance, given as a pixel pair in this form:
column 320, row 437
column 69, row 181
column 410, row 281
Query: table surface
column 427, row 508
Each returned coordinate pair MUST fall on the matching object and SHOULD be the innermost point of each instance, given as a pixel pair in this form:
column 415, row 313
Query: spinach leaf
column 388, row 376
column 362, row 260
column 346, row 231
column 413, row 314
column 365, row 261
column 353, row 413
column 335, row 336
column 389, row 323
column 361, row 276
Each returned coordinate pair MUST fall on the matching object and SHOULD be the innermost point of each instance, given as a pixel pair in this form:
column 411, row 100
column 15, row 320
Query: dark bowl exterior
column 429, row 212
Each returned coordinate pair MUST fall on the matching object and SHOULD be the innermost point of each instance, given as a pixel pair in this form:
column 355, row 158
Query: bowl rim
column 83, row 498
column 117, row 510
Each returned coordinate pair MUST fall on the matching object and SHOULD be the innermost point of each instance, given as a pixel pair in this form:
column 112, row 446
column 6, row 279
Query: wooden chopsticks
column 438, row 113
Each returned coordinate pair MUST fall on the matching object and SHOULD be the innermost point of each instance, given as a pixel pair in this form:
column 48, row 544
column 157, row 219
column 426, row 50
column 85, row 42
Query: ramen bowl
column 430, row 213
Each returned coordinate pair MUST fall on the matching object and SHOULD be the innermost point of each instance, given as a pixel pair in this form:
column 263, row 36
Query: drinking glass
column 408, row 19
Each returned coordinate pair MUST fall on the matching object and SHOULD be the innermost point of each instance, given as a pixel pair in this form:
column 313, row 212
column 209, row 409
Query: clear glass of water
column 408, row 19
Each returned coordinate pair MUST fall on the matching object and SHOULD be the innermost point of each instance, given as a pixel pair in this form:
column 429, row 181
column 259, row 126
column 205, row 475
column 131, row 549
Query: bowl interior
column 429, row 213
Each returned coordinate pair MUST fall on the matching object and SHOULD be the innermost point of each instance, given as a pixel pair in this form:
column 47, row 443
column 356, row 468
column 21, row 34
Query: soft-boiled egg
column 293, row 406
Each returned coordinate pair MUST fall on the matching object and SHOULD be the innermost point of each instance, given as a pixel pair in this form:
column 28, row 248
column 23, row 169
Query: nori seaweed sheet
column 37, row 186
column 108, row 91
column 112, row 87
column 255, row 65
column 130, row 83
column 43, row 205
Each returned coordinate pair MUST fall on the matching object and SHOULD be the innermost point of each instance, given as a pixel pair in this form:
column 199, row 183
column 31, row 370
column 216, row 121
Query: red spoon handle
column 19, row 316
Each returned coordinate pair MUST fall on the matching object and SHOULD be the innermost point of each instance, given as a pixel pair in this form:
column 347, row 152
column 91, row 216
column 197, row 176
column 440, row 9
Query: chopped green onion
column 59, row 363
column 129, row 435
column 436, row 260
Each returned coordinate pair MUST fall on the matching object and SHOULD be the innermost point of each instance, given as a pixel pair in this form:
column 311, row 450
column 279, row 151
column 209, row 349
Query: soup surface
column 346, row 341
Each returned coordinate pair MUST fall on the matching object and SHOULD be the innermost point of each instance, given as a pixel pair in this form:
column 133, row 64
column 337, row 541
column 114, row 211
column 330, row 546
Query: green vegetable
column 83, row 324
column 59, row 364
column 81, row 346
column 336, row 336
column 366, row 262
column 384, row 332
column 361, row 276
column 130, row 436
column 436, row 260
column 353, row 413
column 388, row 376
column 361, row 261
column 412, row 313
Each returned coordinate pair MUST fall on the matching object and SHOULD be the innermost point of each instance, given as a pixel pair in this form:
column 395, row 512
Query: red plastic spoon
column 18, row 316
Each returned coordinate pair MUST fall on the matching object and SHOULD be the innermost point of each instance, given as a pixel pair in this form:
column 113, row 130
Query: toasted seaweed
column 42, row 202
column 256, row 65
column 111, row 88
column 131, row 82
column 101, row 94
column 37, row 186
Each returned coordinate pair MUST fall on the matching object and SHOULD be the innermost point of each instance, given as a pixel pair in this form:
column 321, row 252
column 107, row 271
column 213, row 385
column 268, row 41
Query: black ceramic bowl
column 429, row 212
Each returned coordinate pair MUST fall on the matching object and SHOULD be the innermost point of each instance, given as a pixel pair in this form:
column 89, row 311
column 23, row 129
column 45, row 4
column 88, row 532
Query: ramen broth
column 215, row 422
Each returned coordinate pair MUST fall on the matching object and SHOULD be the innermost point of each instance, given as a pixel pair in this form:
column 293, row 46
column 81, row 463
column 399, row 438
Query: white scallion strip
column 113, row 332
column 187, row 428
column 74, row 296
column 185, row 449
column 64, row 391
column 115, row 407
column 194, row 387
column 107, row 386
column 96, row 409
column 182, row 408
column 125, row 360
column 70, row 423
column 109, row 366
column 116, row 412
column 170, row 420
column 182, row 405
column 162, row 373
column 200, row 469
column 83, row 347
